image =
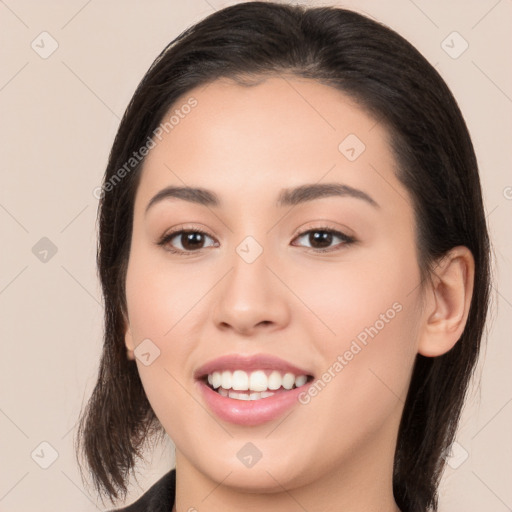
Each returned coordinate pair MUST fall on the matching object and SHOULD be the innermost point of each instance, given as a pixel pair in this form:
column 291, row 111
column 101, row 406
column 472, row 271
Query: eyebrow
column 294, row 196
column 287, row 197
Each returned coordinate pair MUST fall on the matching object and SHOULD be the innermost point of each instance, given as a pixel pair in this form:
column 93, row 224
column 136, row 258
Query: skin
column 246, row 144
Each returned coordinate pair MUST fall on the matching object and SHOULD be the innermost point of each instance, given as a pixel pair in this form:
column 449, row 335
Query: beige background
column 58, row 119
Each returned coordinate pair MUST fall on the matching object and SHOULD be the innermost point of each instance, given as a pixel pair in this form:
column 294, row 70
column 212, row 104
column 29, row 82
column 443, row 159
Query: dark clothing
column 158, row 498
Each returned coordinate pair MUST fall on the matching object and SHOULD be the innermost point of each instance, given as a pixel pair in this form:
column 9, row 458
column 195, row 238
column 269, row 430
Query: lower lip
column 250, row 412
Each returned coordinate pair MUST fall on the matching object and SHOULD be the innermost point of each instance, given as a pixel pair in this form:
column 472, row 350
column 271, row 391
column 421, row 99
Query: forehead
column 282, row 132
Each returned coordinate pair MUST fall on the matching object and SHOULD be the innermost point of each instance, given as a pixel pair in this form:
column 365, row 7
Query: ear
column 448, row 298
column 128, row 340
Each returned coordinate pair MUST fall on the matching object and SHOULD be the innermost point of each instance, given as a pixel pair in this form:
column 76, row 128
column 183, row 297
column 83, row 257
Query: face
column 270, row 261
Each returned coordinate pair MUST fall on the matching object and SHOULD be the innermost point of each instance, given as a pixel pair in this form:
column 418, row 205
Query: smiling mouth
column 254, row 385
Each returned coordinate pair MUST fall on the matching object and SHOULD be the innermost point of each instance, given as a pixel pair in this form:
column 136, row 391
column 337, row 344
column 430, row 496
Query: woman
column 295, row 265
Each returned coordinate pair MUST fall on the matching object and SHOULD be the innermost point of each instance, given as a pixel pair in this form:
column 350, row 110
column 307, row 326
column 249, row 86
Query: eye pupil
column 322, row 237
column 192, row 240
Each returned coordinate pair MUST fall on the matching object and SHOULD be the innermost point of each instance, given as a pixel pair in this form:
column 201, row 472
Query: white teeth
column 216, row 379
column 226, row 380
column 288, row 380
column 240, row 380
column 245, row 396
column 300, row 381
column 238, row 396
column 274, row 380
column 256, row 381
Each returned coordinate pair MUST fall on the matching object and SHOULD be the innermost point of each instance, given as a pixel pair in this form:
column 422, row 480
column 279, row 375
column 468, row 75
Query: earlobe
column 448, row 302
column 128, row 341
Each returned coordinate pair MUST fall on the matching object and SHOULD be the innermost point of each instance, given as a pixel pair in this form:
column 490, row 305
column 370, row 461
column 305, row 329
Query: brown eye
column 186, row 241
column 191, row 240
column 321, row 239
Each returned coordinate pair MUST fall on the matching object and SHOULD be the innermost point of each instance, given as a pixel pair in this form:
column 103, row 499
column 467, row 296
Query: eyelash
column 165, row 239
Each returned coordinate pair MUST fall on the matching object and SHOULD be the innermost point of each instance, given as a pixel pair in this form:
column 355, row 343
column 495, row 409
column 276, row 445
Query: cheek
column 163, row 308
column 160, row 297
column 367, row 337
column 350, row 296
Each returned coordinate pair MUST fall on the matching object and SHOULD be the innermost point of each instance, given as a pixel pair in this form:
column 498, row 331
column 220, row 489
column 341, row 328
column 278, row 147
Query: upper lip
column 248, row 362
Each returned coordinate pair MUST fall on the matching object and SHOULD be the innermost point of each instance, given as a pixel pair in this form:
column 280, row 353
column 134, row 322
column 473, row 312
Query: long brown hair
column 389, row 78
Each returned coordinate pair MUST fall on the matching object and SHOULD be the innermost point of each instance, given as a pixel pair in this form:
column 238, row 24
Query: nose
column 251, row 298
